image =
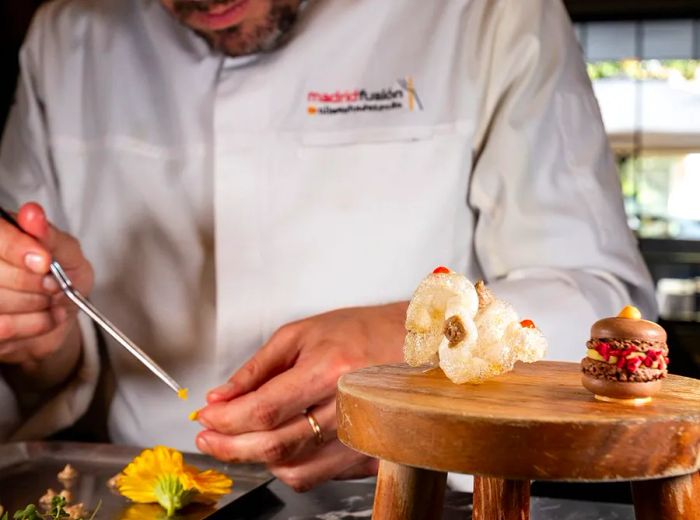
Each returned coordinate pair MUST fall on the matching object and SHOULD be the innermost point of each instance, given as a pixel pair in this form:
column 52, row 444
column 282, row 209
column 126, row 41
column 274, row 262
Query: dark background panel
column 588, row 10
column 15, row 16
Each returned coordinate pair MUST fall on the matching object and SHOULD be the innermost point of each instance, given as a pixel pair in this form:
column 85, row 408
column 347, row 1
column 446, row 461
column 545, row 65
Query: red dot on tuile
column 441, row 270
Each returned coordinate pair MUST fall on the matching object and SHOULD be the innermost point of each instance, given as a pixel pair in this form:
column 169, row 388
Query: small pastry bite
column 67, row 473
column 464, row 329
column 46, row 498
column 626, row 358
column 193, row 416
column 113, row 481
column 76, row 511
column 442, row 295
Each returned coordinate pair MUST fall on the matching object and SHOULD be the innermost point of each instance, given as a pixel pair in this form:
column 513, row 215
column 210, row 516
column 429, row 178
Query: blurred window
column 646, row 77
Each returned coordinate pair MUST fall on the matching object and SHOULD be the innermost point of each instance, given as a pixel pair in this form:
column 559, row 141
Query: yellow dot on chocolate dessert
column 193, row 415
column 182, row 394
column 629, row 311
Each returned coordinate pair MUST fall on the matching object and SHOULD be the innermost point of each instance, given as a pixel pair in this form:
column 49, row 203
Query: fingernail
column 50, row 284
column 202, row 444
column 224, row 391
column 35, row 262
column 203, row 420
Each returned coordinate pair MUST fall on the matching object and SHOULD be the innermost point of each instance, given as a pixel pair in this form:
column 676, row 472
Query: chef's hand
column 258, row 416
column 36, row 319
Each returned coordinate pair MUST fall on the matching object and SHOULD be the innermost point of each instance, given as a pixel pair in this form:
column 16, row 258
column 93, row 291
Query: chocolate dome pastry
column 627, row 358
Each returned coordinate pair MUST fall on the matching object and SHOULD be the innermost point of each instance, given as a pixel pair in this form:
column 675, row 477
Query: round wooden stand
column 536, row 422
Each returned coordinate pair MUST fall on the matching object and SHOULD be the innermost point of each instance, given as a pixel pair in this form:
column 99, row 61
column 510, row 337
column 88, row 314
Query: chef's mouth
column 212, row 15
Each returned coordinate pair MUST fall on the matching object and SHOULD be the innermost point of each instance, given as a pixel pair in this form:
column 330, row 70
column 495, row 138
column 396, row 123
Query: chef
column 259, row 185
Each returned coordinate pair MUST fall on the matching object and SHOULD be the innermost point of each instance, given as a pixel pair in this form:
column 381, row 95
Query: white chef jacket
column 221, row 198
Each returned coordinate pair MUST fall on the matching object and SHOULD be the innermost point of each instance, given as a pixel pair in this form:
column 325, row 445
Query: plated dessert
column 55, row 505
column 466, row 331
column 155, row 476
column 626, row 358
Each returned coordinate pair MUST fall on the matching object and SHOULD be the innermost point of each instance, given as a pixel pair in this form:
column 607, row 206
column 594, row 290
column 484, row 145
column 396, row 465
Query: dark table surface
column 353, row 500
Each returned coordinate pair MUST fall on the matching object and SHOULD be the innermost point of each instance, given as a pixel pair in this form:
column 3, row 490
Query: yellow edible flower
column 161, row 476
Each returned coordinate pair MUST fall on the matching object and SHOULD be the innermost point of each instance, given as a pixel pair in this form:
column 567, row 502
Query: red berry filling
column 629, row 357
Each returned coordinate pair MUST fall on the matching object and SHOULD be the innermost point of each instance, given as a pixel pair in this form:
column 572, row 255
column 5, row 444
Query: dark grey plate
column 28, row 469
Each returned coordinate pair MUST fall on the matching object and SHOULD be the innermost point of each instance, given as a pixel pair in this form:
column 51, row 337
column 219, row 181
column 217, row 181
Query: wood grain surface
column 405, row 493
column 536, row 422
column 498, row 499
column 676, row 498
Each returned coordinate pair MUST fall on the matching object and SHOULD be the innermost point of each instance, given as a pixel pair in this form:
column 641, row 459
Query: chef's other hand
column 258, row 415
column 35, row 317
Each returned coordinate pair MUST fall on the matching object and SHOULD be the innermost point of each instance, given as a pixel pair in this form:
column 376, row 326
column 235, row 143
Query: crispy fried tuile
column 484, row 293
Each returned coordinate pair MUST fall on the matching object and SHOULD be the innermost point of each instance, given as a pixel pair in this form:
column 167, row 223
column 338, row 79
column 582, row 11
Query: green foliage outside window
column 644, row 69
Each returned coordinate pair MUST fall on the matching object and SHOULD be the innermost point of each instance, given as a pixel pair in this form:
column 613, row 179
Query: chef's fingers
column 20, row 279
column 332, row 459
column 14, row 352
column 366, row 468
column 21, row 326
column 32, row 219
column 35, row 250
column 29, row 352
column 277, row 354
column 274, row 403
column 22, row 251
column 15, row 302
column 293, row 439
column 62, row 246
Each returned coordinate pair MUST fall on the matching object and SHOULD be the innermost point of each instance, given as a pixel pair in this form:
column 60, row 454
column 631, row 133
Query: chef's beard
column 248, row 37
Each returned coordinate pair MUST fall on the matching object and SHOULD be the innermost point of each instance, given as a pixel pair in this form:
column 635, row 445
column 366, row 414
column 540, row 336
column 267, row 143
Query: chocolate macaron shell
column 620, row 390
column 628, row 328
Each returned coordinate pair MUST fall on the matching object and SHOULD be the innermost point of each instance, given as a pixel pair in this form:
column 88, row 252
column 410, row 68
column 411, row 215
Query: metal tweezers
column 88, row 308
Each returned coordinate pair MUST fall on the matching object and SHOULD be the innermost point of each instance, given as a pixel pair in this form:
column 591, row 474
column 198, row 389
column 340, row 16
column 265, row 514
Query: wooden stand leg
column 676, row 498
column 405, row 493
column 500, row 499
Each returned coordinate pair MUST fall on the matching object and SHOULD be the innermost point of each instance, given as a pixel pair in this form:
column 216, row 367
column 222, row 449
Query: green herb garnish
column 28, row 513
column 57, row 511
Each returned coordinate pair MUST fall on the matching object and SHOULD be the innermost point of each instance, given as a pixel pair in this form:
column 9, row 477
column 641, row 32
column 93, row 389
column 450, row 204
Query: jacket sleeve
column 26, row 174
column 551, row 234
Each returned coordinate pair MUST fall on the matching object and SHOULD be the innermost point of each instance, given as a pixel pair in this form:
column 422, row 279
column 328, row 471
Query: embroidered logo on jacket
column 401, row 95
